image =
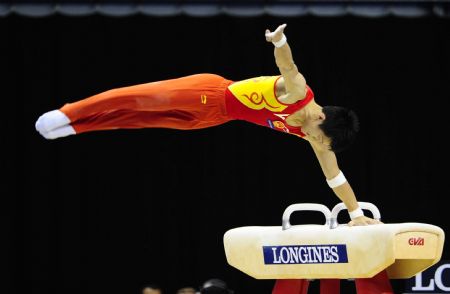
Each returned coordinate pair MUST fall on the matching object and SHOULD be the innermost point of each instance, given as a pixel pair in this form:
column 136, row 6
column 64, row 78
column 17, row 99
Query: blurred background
column 111, row 211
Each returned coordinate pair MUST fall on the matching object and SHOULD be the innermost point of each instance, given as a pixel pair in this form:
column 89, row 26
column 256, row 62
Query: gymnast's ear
column 321, row 116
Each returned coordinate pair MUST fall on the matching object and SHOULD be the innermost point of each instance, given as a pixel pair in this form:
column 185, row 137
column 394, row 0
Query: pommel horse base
column 370, row 255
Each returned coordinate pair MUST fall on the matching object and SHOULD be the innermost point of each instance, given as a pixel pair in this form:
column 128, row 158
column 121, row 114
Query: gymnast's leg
column 191, row 102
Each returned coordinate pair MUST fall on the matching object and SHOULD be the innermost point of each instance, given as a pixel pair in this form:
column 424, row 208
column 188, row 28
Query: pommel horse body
column 296, row 254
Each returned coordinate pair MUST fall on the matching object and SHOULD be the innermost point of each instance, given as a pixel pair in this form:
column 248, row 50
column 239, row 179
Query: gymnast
column 284, row 103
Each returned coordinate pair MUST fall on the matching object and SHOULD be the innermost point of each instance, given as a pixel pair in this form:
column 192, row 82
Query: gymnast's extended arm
column 330, row 168
column 294, row 81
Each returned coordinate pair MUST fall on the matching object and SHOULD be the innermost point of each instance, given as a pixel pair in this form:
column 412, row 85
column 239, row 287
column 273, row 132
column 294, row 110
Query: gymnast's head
column 334, row 126
column 151, row 289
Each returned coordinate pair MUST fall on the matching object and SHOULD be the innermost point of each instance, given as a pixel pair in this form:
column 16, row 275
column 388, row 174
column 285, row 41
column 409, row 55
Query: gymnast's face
column 148, row 290
column 187, row 290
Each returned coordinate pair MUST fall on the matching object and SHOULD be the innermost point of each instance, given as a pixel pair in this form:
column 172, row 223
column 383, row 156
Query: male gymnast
column 284, row 103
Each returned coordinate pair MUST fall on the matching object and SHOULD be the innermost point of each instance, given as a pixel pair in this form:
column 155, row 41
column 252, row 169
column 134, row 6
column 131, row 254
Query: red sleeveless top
column 254, row 100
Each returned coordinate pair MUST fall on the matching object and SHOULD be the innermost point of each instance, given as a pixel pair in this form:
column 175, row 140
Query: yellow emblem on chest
column 258, row 93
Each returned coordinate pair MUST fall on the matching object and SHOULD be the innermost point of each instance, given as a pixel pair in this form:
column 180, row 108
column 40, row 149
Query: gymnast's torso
column 256, row 100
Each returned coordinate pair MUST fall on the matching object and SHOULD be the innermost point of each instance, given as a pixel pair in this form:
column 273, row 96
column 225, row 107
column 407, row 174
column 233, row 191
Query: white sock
column 51, row 120
column 59, row 132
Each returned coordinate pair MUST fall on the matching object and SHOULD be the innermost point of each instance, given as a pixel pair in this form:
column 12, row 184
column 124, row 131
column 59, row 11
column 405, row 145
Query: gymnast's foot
column 54, row 124
column 51, row 120
column 63, row 131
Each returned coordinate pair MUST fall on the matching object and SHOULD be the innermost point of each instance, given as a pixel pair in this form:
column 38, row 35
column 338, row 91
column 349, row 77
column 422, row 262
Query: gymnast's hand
column 276, row 35
column 363, row 221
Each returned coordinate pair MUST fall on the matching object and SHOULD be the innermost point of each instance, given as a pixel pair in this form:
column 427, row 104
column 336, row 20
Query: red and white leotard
column 254, row 100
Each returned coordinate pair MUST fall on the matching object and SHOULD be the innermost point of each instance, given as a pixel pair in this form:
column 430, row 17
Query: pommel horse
column 370, row 255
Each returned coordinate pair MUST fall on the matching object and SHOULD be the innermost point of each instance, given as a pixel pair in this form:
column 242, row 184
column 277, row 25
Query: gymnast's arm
column 328, row 162
column 294, row 81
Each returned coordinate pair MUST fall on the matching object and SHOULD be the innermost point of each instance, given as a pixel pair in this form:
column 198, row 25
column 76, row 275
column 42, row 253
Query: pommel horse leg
column 327, row 286
column 291, row 287
column 378, row 284
column 330, row 286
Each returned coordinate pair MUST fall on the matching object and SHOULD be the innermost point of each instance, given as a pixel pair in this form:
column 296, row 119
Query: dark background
column 105, row 212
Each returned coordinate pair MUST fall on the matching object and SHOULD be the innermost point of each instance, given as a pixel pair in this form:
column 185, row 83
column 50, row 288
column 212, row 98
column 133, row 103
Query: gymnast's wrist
column 280, row 42
column 356, row 213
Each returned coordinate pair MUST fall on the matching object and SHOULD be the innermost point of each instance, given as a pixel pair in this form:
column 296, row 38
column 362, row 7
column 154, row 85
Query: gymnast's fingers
column 375, row 222
column 268, row 36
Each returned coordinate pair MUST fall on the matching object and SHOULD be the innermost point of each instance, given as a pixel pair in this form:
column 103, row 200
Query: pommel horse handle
column 304, row 207
column 341, row 206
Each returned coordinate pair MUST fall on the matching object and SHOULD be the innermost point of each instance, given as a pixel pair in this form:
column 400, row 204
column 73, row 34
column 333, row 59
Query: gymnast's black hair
column 215, row 286
column 340, row 125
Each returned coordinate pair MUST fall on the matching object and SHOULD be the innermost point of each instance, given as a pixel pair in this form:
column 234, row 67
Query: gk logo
column 203, row 99
column 416, row 241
